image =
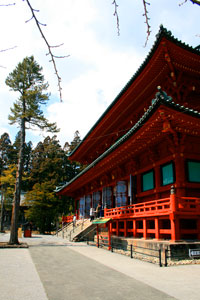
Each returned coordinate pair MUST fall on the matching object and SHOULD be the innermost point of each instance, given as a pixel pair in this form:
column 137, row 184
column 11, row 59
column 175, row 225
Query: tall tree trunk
column 16, row 201
column 2, row 210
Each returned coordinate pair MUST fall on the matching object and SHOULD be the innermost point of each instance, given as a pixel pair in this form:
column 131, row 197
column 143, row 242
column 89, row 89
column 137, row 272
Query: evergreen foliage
column 50, row 168
column 28, row 81
column 45, row 167
column 42, row 201
column 5, row 151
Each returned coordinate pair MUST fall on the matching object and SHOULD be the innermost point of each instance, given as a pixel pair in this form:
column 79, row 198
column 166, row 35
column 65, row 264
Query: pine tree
column 41, row 201
column 5, row 150
column 28, row 81
column 47, row 162
column 50, row 168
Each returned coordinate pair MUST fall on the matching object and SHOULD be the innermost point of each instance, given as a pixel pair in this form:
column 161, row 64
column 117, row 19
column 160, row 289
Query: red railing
column 189, row 204
column 67, row 219
column 155, row 207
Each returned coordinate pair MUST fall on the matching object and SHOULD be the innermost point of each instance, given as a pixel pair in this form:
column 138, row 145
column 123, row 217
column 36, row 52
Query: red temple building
column 142, row 156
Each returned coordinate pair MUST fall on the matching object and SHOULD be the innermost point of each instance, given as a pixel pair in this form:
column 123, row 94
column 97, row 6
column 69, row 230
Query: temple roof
column 138, row 92
column 161, row 102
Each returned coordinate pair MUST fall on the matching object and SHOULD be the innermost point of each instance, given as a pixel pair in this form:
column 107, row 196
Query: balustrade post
column 160, row 258
column 70, row 236
column 131, row 250
column 173, row 199
column 175, row 233
column 62, row 233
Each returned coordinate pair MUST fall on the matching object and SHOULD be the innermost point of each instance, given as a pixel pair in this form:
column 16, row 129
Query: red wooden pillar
column 134, row 228
column 125, row 228
column 145, row 229
column 180, row 174
column 175, row 231
column 157, row 229
column 173, row 200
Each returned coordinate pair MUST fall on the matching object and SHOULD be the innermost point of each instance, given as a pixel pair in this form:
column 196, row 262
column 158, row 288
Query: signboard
column 194, row 252
column 101, row 221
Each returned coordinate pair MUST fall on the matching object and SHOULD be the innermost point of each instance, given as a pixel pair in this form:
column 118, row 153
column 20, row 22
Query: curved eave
column 163, row 33
column 161, row 100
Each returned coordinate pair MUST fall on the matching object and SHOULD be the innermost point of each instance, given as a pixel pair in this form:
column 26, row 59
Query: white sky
column 100, row 62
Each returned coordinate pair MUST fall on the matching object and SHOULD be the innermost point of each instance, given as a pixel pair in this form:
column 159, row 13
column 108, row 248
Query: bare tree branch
column 7, row 4
column 48, row 46
column 116, row 15
column 3, row 50
column 193, row 1
column 145, row 3
column 180, row 4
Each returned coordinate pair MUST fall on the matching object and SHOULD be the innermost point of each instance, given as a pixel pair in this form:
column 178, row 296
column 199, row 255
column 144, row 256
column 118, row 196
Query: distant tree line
column 45, row 167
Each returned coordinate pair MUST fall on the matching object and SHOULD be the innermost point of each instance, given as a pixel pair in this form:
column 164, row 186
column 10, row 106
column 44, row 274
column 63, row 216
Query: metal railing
column 135, row 252
column 86, row 237
column 62, row 229
column 103, row 241
column 76, row 227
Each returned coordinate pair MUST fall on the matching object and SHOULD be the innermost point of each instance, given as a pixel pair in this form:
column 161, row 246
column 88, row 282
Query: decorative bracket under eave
column 167, row 126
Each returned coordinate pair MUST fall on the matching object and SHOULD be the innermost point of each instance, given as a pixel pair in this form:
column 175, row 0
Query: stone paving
column 56, row 269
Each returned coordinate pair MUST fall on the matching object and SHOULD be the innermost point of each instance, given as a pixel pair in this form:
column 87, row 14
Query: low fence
column 143, row 253
column 160, row 257
column 146, row 254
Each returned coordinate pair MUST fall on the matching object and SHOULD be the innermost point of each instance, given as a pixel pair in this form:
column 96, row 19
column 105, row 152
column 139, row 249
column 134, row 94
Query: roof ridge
column 163, row 32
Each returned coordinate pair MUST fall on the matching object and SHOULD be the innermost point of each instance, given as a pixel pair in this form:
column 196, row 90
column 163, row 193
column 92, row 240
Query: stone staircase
column 82, row 228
